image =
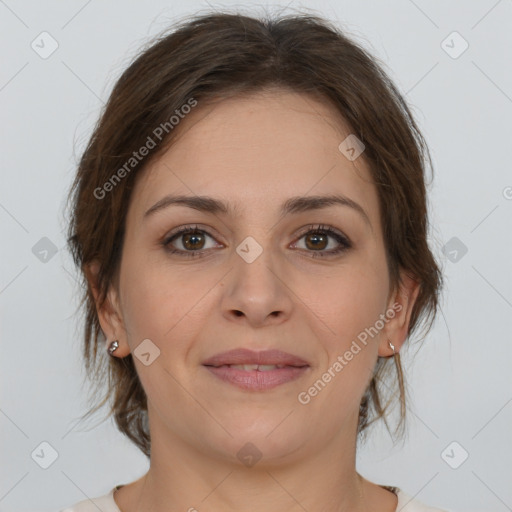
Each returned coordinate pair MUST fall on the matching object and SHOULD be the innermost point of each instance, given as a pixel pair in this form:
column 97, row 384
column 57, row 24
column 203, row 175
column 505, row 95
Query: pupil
column 317, row 238
column 313, row 241
column 192, row 239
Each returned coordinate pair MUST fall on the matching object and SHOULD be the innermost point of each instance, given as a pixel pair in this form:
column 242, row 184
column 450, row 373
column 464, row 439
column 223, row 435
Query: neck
column 322, row 477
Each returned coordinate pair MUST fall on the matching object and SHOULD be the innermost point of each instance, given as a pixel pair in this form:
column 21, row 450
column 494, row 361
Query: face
column 307, row 280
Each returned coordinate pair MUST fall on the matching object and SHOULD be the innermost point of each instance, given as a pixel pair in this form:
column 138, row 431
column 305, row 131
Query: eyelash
column 316, row 228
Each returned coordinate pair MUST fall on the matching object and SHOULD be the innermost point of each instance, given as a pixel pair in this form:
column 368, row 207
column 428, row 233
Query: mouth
column 256, row 371
column 259, row 367
column 246, row 357
column 252, row 377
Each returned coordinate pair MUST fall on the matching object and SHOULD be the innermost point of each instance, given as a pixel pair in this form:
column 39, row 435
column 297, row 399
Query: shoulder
column 407, row 503
column 104, row 503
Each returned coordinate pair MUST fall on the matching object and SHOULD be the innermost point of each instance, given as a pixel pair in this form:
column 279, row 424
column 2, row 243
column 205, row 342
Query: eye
column 192, row 241
column 316, row 239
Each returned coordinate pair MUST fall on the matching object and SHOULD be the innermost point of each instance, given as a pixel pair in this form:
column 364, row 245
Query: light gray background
column 460, row 381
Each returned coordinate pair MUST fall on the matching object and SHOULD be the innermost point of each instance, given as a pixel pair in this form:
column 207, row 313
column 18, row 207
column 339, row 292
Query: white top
column 107, row 503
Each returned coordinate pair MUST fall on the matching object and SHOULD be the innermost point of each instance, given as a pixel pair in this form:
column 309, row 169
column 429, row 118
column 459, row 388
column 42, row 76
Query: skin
column 254, row 152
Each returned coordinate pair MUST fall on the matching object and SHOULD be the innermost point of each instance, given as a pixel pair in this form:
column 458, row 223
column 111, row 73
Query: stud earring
column 113, row 347
column 392, row 346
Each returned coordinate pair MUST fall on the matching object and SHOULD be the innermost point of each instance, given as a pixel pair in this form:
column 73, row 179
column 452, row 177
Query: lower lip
column 255, row 380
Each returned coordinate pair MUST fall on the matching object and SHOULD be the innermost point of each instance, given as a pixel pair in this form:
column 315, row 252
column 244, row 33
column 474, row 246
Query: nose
column 256, row 293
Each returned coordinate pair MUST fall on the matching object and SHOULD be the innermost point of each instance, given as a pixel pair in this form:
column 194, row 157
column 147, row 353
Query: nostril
column 238, row 313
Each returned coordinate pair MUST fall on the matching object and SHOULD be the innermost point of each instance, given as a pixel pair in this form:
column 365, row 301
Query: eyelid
column 208, row 230
column 343, row 241
column 324, row 227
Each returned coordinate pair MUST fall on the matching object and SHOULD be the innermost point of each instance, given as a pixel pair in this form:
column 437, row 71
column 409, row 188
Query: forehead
column 258, row 149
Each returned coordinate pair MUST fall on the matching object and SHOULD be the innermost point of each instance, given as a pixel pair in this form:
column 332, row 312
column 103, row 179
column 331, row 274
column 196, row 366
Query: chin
column 268, row 441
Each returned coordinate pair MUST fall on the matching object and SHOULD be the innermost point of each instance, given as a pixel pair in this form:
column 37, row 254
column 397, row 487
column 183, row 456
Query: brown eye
column 318, row 238
column 316, row 241
column 193, row 241
column 188, row 241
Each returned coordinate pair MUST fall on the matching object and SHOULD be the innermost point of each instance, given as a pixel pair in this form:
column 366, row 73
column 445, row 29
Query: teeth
column 265, row 367
column 259, row 367
column 244, row 366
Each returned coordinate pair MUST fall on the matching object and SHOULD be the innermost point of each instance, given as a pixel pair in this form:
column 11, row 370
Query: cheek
column 162, row 304
column 354, row 308
column 351, row 310
column 349, row 301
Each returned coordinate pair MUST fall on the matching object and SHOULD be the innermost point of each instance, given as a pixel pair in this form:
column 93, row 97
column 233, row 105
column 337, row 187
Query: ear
column 398, row 314
column 109, row 313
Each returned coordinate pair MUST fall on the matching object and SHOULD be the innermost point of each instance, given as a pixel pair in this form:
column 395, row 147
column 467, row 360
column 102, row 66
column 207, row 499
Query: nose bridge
column 255, row 287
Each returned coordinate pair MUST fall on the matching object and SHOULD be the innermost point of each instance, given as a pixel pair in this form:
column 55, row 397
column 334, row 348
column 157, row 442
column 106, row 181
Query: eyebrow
column 292, row 205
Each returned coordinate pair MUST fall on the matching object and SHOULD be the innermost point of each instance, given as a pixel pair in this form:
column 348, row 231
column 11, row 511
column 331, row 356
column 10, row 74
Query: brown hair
column 218, row 55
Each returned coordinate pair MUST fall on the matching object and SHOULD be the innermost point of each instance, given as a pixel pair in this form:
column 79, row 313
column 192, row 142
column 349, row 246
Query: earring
column 113, row 347
column 392, row 346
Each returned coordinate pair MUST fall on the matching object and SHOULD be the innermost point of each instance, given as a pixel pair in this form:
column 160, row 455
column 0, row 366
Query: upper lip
column 246, row 356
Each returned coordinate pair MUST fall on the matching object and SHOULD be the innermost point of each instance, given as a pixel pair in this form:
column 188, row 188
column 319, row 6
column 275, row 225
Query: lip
column 246, row 356
column 256, row 380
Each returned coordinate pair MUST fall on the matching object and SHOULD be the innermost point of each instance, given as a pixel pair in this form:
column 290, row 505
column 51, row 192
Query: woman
column 250, row 220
